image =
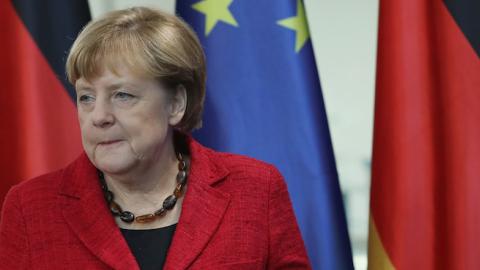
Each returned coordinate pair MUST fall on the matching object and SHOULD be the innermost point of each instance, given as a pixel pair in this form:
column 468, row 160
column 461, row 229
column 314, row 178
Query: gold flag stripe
column 377, row 257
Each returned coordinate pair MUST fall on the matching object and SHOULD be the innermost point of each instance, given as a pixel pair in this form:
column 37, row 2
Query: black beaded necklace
column 168, row 203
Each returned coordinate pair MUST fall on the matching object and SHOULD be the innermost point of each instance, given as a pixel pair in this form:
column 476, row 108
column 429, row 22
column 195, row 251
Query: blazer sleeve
column 286, row 248
column 14, row 249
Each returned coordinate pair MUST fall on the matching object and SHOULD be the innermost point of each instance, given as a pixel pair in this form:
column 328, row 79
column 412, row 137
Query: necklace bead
column 145, row 218
column 168, row 203
column 127, row 216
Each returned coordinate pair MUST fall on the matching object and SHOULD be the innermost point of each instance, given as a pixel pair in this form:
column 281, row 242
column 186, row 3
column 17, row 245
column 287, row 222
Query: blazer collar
column 203, row 208
column 86, row 212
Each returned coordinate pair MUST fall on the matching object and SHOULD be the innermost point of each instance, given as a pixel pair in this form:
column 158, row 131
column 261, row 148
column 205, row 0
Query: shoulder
column 37, row 188
column 236, row 163
column 41, row 189
column 27, row 203
column 237, row 173
column 241, row 166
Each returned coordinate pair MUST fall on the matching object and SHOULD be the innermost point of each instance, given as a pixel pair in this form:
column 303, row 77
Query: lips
column 111, row 142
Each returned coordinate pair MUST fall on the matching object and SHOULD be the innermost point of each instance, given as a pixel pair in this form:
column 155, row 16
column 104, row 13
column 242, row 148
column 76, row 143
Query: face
column 125, row 120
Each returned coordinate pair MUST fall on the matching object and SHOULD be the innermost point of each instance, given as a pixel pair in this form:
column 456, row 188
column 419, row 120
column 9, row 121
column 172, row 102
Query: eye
column 123, row 96
column 86, row 98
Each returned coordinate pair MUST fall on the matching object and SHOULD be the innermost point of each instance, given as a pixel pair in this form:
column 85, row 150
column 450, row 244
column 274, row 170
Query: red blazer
column 236, row 214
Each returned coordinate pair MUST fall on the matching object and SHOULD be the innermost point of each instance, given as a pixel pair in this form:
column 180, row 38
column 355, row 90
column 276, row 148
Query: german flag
column 39, row 131
column 425, row 194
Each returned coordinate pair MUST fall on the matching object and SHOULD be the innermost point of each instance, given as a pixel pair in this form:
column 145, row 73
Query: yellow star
column 215, row 10
column 299, row 25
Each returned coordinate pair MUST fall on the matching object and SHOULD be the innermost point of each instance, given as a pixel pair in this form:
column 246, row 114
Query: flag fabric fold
column 426, row 154
column 39, row 130
column 264, row 100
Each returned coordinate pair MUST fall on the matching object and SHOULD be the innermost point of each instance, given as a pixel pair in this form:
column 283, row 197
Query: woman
column 144, row 194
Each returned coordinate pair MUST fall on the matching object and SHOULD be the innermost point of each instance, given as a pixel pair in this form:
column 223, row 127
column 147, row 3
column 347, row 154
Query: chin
column 115, row 166
column 113, row 160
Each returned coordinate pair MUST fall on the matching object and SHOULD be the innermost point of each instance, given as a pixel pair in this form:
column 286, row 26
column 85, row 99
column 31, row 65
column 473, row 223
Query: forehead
column 118, row 57
column 120, row 74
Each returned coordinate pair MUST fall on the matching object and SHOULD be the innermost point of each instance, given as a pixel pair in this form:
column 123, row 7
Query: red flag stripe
column 40, row 131
column 425, row 174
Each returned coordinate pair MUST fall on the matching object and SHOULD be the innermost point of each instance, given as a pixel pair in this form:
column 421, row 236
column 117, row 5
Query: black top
column 150, row 246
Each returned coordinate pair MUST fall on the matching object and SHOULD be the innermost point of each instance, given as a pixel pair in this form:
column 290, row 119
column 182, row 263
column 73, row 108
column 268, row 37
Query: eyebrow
column 82, row 87
column 111, row 87
column 114, row 86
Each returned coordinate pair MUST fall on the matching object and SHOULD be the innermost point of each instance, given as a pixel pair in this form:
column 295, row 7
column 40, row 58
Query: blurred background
column 344, row 36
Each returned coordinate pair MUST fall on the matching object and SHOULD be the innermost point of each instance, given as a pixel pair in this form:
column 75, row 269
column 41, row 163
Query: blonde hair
column 150, row 43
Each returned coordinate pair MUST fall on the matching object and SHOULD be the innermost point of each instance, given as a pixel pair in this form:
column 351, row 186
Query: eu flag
column 264, row 100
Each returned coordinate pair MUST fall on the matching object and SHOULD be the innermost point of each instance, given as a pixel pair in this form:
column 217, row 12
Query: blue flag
column 264, row 100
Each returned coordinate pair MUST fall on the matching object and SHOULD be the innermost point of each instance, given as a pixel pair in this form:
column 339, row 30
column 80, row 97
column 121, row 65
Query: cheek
column 151, row 127
column 83, row 124
column 85, row 131
column 152, row 116
column 82, row 117
column 148, row 127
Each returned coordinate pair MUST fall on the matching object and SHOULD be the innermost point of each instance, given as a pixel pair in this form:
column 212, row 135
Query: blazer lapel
column 86, row 212
column 202, row 210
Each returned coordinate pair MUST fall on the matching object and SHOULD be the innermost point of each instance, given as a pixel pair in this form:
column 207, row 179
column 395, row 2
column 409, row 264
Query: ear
column 178, row 105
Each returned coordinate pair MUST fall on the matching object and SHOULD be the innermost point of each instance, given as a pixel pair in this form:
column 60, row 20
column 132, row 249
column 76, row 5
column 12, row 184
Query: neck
column 145, row 187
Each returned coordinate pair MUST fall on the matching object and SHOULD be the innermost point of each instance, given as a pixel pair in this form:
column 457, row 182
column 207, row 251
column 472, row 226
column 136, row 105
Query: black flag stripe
column 54, row 25
column 467, row 15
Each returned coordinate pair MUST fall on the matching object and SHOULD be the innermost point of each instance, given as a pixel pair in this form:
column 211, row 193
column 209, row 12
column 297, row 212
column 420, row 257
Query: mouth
column 111, row 142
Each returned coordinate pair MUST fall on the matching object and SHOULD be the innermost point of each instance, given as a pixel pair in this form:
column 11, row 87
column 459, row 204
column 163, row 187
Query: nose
column 102, row 115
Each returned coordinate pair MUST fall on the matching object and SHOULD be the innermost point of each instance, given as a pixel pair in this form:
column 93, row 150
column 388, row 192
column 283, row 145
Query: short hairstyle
column 150, row 42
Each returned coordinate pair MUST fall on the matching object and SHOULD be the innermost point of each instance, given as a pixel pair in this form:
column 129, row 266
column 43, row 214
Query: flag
column 425, row 192
column 39, row 131
column 264, row 100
